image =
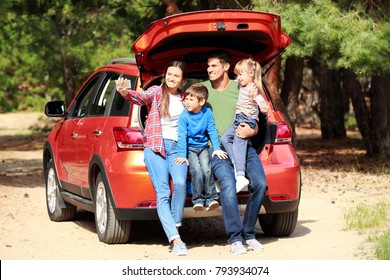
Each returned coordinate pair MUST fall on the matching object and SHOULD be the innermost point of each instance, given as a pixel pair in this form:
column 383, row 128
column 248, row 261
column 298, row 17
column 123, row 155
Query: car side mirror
column 55, row 109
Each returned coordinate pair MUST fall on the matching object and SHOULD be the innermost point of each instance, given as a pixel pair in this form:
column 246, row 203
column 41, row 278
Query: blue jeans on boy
column 223, row 170
column 170, row 211
column 235, row 146
column 203, row 185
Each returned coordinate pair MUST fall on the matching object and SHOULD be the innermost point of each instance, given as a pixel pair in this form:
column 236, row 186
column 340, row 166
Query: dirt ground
column 336, row 178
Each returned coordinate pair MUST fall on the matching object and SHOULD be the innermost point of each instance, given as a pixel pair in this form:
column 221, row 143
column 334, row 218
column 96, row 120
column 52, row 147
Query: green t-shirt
column 223, row 105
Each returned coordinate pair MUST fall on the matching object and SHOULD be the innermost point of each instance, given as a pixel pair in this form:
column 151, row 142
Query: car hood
column 190, row 36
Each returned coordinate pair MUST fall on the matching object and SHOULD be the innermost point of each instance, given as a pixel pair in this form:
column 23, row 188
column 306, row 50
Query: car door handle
column 73, row 135
column 97, row 133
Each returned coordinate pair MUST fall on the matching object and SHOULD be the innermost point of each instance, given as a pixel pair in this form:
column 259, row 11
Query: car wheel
column 279, row 224
column 53, row 196
column 110, row 230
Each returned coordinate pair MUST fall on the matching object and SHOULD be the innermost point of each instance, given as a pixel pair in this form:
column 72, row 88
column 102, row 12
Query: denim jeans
column 203, row 185
column 223, row 170
column 236, row 146
column 170, row 211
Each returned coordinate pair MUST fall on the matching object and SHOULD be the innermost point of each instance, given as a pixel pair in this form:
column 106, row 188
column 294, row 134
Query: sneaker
column 213, row 205
column 241, row 183
column 237, row 248
column 198, row 207
column 179, row 249
column 253, row 244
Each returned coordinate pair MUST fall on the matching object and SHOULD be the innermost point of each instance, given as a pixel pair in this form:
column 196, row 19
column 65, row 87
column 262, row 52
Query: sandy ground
column 28, row 234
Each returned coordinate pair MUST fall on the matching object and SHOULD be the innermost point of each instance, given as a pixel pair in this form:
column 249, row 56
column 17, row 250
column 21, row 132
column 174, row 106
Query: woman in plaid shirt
column 165, row 104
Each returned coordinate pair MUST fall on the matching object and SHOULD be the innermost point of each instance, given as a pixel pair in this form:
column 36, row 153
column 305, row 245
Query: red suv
column 93, row 159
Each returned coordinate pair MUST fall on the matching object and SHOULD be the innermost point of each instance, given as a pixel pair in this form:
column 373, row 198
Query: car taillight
column 283, row 133
column 280, row 197
column 128, row 138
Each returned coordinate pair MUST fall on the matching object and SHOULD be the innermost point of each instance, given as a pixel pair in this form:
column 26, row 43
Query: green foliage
column 5, row 105
column 32, row 102
column 364, row 217
column 340, row 34
column 45, row 45
column 382, row 250
column 48, row 48
column 374, row 218
column 350, row 122
column 367, row 52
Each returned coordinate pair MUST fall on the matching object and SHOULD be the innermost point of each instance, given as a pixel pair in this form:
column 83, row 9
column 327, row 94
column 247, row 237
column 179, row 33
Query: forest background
column 334, row 76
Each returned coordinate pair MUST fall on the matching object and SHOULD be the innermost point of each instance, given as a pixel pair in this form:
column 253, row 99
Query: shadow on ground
column 338, row 155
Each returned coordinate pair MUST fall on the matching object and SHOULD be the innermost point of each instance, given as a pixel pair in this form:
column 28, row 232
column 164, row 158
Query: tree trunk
column 272, row 81
column 69, row 80
column 293, row 75
column 332, row 104
column 352, row 87
column 380, row 116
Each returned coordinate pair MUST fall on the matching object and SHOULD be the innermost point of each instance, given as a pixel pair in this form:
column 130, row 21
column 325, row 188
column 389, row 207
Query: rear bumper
column 268, row 207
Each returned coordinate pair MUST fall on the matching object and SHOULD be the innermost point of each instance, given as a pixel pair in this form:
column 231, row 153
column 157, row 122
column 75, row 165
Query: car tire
column 109, row 229
column 54, row 209
column 279, row 224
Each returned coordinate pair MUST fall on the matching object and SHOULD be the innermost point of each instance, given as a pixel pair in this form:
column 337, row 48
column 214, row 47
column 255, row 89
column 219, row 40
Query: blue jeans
column 235, row 146
column 202, row 179
column 170, row 211
column 223, row 170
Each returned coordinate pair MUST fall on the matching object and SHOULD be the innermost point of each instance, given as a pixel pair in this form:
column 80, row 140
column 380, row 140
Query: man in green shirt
column 223, row 95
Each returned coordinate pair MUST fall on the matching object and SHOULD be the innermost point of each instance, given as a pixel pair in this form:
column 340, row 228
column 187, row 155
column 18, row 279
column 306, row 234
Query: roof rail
column 122, row 60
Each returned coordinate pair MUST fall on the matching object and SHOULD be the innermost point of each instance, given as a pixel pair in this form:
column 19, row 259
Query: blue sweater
column 195, row 131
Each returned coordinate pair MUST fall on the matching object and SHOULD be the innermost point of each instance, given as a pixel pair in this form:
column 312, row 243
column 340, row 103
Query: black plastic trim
column 78, row 201
column 136, row 214
column 273, row 207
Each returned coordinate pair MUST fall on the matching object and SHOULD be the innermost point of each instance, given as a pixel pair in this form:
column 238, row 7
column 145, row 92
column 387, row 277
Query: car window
column 100, row 103
column 82, row 110
column 118, row 105
column 99, row 97
column 80, row 106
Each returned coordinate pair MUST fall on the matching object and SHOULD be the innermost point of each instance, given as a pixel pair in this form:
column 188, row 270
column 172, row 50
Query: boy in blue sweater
column 195, row 128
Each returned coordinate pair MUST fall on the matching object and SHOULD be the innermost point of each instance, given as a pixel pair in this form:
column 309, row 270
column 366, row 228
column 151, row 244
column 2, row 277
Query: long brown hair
column 164, row 108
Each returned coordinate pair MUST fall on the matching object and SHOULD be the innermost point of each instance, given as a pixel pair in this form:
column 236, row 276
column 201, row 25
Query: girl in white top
column 250, row 101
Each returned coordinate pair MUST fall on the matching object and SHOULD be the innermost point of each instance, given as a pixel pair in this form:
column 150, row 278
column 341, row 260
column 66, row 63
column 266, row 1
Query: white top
column 246, row 105
column 169, row 125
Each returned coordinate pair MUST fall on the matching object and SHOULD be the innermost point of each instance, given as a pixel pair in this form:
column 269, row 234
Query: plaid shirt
column 153, row 131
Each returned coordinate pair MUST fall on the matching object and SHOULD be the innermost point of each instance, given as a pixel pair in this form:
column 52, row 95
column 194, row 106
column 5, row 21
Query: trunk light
column 283, row 133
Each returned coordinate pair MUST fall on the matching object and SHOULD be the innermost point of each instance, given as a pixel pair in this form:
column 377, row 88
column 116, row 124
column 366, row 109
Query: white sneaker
column 253, row 244
column 241, row 183
column 179, row 249
column 213, row 205
column 237, row 248
column 198, row 207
